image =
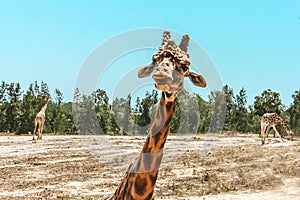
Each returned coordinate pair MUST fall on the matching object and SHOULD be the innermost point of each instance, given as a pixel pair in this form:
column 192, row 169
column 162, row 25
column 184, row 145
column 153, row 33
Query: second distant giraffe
column 270, row 120
column 39, row 121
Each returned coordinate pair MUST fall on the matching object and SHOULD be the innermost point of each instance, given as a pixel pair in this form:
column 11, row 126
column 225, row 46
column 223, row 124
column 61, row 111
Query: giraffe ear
column 146, row 71
column 197, row 79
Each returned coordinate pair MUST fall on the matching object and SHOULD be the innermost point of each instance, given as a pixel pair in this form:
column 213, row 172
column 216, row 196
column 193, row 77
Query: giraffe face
column 170, row 65
column 168, row 76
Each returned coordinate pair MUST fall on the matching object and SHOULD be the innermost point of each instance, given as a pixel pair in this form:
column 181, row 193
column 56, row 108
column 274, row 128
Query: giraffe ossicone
column 170, row 65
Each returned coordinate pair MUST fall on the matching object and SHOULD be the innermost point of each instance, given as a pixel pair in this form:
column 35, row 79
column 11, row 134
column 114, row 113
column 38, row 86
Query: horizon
column 253, row 44
column 141, row 96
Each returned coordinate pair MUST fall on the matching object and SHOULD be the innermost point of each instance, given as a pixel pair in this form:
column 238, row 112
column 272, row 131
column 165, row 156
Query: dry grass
column 59, row 167
column 227, row 169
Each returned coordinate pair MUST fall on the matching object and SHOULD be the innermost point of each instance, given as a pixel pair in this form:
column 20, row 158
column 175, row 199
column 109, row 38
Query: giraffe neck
column 284, row 124
column 159, row 128
column 141, row 177
column 44, row 107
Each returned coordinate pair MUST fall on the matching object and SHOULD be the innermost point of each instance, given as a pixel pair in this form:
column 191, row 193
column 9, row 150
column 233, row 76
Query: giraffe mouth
column 162, row 78
column 161, row 81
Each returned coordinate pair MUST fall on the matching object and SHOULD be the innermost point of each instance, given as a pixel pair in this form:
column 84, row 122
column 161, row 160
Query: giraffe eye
column 184, row 68
column 167, row 54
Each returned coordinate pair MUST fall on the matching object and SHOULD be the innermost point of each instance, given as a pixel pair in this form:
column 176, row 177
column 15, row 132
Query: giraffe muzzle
column 162, row 78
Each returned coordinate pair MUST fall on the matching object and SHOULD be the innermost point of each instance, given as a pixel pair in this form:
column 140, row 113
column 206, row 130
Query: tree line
column 96, row 114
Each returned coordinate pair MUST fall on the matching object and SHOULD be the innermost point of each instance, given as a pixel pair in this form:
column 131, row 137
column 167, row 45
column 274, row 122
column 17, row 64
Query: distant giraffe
column 39, row 120
column 169, row 66
column 270, row 120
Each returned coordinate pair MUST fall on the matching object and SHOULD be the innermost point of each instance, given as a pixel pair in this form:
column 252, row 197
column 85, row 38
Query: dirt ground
column 203, row 167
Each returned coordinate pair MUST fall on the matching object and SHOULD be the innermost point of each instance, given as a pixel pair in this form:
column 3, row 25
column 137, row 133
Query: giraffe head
column 170, row 65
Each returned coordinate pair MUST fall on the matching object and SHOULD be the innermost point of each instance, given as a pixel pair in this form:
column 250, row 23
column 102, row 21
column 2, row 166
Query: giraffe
column 39, row 120
column 269, row 120
column 170, row 65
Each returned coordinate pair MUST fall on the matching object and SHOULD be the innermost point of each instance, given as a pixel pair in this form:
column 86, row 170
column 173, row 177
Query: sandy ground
column 194, row 167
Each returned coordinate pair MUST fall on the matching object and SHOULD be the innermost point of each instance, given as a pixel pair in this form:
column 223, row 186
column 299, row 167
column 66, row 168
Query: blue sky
column 254, row 44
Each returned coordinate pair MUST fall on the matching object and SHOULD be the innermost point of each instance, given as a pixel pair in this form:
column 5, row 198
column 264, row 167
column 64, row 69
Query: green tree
column 54, row 113
column 150, row 100
column 143, row 111
column 186, row 116
column 268, row 102
column 176, row 119
column 205, row 115
column 68, row 125
column 230, row 119
column 44, row 90
column 136, row 112
column 294, row 112
column 84, row 114
column 3, row 88
column 13, row 111
column 253, row 120
column 103, row 109
column 218, row 113
column 3, row 105
column 126, row 121
column 36, row 88
column 241, row 115
column 28, row 111
column 118, row 114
